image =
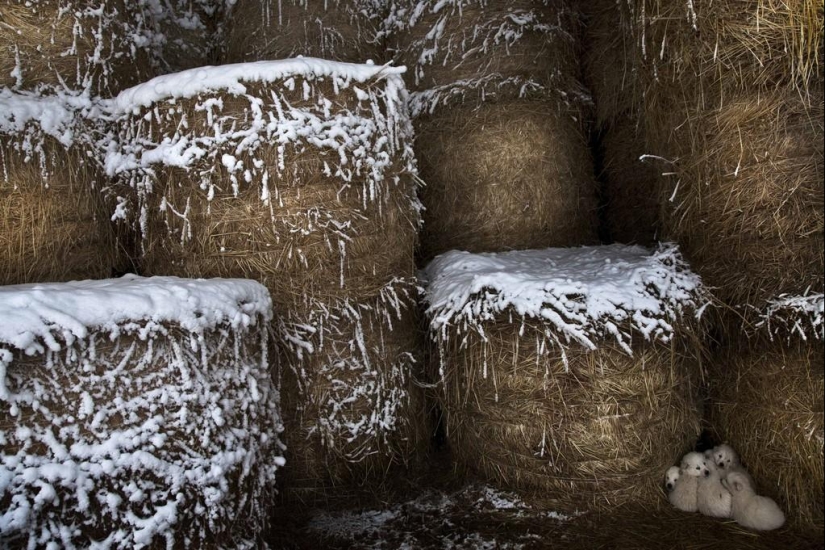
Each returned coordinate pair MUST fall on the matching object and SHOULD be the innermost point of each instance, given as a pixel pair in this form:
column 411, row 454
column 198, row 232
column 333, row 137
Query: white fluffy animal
column 683, row 496
column 671, row 477
column 749, row 509
column 712, row 499
column 727, row 461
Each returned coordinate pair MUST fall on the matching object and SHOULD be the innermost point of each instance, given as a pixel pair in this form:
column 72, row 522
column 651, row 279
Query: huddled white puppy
column 683, row 494
column 671, row 477
column 749, row 509
column 712, row 497
column 727, row 461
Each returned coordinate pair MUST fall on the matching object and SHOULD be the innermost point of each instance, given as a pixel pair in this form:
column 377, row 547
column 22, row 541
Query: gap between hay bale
column 341, row 30
column 766, row 401
column 501, row 176
column 597, row 431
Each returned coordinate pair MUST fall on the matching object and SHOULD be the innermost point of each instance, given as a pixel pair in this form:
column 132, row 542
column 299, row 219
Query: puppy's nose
column 669, row 486
column 707, row 473
column 721, row 464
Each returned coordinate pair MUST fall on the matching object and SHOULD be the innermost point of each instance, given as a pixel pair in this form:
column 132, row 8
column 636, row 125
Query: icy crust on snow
column 147, row 430
column 581, row 294
column 353, row 379
column 352, row 117
column 791, row 316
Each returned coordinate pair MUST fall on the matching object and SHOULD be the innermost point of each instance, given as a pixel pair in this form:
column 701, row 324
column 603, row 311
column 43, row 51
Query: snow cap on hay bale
column 83, row 45
column 136, row 412
column 340, row 30
column 300, row 172
column 466, row 41
column 748, row 205
column 568, row 371
column 767, row 402
column 53, row 226
column 500, row 176
column 352, row 403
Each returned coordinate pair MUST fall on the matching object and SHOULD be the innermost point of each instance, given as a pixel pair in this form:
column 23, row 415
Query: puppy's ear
column 737, row 485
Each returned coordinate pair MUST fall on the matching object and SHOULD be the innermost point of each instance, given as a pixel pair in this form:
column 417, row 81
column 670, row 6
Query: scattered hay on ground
column 503, row 176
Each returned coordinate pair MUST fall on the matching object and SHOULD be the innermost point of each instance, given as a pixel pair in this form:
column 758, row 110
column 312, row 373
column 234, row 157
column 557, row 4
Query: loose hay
column 767, row 402
column 94, row 46
column 503, row 176
column 551, row 381
column 136, row 413
column 340, row 30
column 53, row 226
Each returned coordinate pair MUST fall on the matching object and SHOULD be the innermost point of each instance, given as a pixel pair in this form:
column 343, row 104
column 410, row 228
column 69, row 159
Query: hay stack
column 340, row 30
column 139, row 412
column 84, row 45
column 557, row 379
column 500, row 123
column 52, row 223
column 298, row 174
column 767, row 402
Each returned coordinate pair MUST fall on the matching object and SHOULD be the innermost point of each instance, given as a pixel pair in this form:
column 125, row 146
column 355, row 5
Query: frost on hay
column 145, row 417
column 340, row 30
column 79, row 44
column 277, row 168
column 445, row 42
column 569, row 371
column 351, row 374
column 53, row 226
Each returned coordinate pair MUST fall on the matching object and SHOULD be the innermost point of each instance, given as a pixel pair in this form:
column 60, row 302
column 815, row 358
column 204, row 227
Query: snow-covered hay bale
column 340, row 30
column 501, row 176
column 53, row 226
column 351, row 399
column 767, row 401
column 446, row 43
column 748, row 209
column 298, row 173
column 572, row 372
column 85, row 45
column 136, row 413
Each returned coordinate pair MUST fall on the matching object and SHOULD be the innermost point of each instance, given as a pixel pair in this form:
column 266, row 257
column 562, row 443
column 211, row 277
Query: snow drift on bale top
column 584, row 293
column 136, row 412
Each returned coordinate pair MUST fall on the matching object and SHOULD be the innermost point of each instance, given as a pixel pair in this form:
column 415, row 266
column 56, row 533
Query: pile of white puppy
column 715, row 484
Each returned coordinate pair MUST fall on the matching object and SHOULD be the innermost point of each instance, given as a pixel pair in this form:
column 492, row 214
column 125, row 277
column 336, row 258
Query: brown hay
column 470, row 40
column 162, row 379
column 598, row 435
column 340, row 30
column 68, row 42
column 192, row 32
column 510, row 175
column 633, row 185
column 748, row 210
column 767, row 402
column 353, row 408
column 52, row 224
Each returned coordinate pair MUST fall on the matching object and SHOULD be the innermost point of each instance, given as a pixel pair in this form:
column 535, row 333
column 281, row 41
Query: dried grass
column 501, row 176
column 597, row 435
column 340, row 30
column 79, row 44
column 767, row 402
column 52, row 224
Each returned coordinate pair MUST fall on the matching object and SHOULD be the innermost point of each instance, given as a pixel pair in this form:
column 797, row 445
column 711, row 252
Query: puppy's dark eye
column 698, row 468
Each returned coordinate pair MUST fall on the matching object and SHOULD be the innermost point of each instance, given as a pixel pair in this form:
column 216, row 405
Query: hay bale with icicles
column 83, row 45
column 500, row 124
column 299, row 174
column 340, row 30
column 136, row 413
column 569, row 372
column 766, row 401
column 53, row 225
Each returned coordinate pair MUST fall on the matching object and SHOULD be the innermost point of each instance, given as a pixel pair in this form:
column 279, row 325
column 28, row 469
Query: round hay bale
column 351, row 399
column 341, row 30
column 748, row 205
column 53, row 226
column 553, row 381
column 304, row 181
column 136, row 413
column 96, row 46
column 459, row 41
column 767, row 402
column 500, row 176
